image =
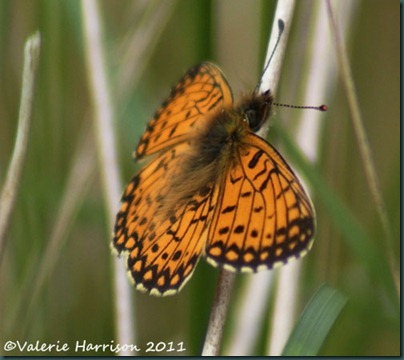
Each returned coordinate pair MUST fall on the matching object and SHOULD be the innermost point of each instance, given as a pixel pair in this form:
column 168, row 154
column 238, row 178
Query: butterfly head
column 255, row 109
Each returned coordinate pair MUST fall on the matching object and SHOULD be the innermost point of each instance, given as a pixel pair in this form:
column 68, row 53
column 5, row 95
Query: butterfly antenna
column 281, row 27
column 320, row 108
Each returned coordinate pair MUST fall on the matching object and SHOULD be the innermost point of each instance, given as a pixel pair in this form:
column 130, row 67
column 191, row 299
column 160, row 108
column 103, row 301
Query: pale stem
column 14, row 173
column 217, row 319
column 270, row 79
column 82, row 175
column 319, row 83
column 103, row 119
column 218, row 315
column 250, row 314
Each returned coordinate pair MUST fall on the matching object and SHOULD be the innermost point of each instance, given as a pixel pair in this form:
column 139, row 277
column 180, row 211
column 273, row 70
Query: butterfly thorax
column 212, row 148
column 228, row 127
column 209, row 150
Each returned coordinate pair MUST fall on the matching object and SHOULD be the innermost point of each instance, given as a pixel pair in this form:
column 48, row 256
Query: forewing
column 263, row 215
column 201, row 90
column 162, row 249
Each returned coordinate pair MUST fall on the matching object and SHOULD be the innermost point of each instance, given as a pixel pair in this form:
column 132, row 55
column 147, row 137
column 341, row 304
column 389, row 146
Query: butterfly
column 209, row 187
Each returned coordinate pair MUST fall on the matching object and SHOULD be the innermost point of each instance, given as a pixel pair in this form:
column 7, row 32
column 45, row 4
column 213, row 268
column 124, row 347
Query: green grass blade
column 316, row 322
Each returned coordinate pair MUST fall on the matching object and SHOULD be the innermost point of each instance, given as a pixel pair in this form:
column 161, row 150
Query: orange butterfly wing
column 163, row 249
column 202, row 89
column 263, row 216
column 254, row 215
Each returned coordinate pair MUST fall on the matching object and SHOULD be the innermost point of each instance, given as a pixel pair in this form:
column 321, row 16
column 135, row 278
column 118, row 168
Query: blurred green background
column 149, row 44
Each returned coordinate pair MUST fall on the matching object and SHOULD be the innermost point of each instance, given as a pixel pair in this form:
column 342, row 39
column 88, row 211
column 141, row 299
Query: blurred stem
column 363, row 142
column 13, row 178
column 250, row 314
column 81, row 177
column 139, row 45
column 270, row 80
column 283, row 314
column 103, row 117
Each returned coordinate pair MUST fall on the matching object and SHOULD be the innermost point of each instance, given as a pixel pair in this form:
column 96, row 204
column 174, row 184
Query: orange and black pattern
column 201, row 90
column 211, row 188
column 263, row 216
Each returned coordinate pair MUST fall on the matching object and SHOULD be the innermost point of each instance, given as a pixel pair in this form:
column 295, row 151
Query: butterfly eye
column 254, row 119
column 256, row 109
column 247, row 116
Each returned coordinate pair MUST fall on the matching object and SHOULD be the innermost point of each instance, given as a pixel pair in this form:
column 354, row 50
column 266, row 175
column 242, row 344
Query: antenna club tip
column 323, row 107
column 281, row 25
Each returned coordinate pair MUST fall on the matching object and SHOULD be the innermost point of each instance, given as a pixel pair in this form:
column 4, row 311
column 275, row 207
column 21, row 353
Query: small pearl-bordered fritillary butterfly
column 211, row 187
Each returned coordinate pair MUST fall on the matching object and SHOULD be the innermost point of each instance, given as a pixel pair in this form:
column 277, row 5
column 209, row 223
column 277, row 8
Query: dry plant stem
column 218, row 315
column 83, row 172
column 363, row 142
column 81, row 176
column 283, row 314
column 285, row 303
column 250, row 314
column 103, row 117
column 284, row 12
column 13, row 177
column 270, row 79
